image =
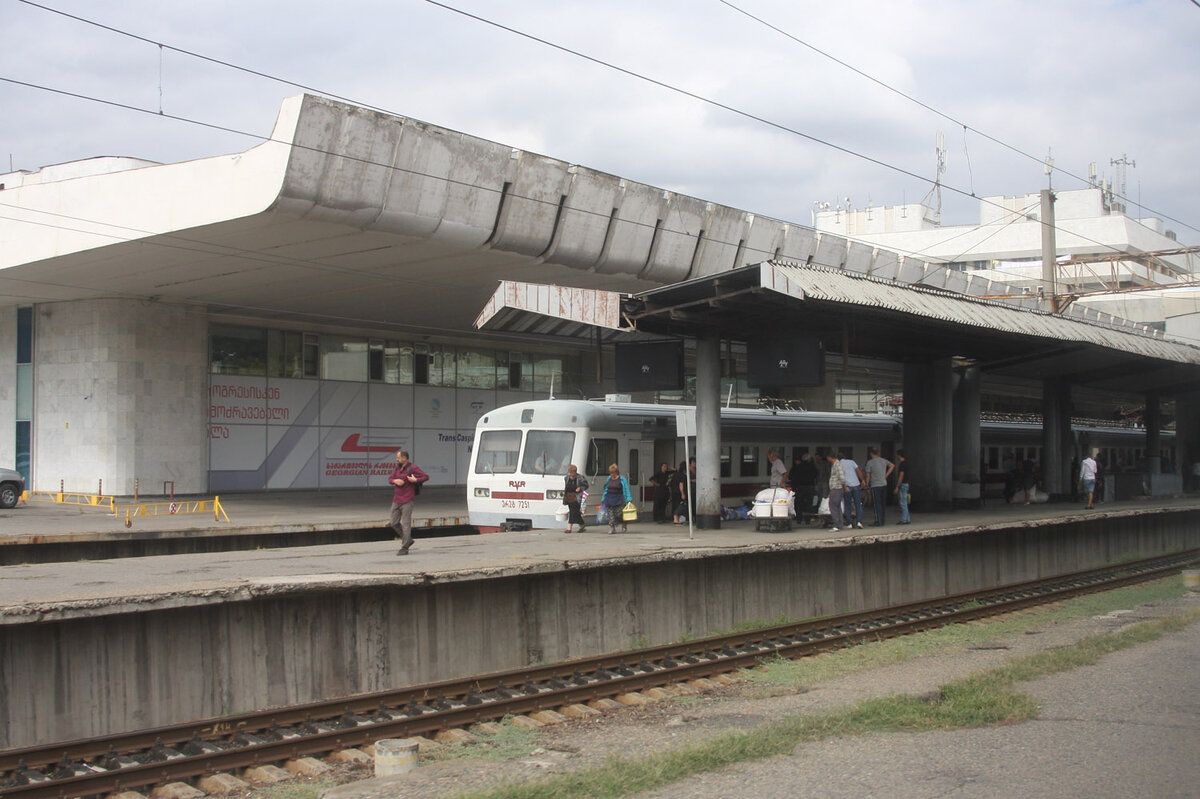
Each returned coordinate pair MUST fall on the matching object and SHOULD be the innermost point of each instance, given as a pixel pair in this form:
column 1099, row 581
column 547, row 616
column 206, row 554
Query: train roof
column 641, row 415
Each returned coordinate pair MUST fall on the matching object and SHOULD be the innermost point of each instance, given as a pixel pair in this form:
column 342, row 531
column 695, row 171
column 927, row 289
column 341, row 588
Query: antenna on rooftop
column 1120, row 164
column 936, row 191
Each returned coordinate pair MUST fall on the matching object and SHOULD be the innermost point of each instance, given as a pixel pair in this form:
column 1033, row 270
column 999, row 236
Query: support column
column 1056, row 437
column 928, row 431
column 1153, row 418
column 1187, row 437
column 708, row 432
column 966, row 450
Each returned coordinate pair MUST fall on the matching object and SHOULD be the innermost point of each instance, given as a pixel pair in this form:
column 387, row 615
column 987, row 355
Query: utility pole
column 1049, row 289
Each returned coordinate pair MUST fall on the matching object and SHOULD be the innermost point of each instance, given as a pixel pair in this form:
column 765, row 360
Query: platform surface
column 99, row 587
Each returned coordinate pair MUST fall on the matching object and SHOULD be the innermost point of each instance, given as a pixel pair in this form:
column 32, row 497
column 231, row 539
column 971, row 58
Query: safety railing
column 168, row 507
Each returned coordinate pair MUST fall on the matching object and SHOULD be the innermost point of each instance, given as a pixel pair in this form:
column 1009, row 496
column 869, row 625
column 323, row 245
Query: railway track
column 187, row 751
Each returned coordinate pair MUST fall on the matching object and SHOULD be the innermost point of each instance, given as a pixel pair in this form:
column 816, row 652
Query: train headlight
column 554, row 494
column 483, row 492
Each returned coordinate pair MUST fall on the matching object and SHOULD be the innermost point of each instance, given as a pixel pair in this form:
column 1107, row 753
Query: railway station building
column 289, row 316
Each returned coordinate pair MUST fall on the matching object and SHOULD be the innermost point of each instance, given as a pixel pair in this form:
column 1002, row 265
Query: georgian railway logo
column 516, row 483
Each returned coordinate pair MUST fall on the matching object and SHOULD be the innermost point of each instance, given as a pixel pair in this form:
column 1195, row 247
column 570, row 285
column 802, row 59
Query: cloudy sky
column 1006, row 81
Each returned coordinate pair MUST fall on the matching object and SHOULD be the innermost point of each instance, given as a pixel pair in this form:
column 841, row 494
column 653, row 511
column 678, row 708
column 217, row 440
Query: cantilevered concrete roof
column 347, row 215
column 862, row 316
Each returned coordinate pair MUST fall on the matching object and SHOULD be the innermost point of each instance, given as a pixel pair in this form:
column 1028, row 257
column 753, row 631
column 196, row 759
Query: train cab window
column 601, row 453
column 547, row 451
column 726, row 461
column 749, row 466
column 498, row 450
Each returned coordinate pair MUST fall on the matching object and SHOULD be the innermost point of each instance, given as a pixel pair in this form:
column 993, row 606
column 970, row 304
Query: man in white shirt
column 853, row 501
column 778, row 470
column 1087, row 476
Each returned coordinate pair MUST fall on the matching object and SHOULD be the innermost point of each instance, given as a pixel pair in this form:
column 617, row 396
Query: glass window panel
column 498, row 451
column 601, row 453
column 634, row 466
column 442, row 371
column 312, row 354
column 285, row 354
column 520, row 372
column 25, row 391
column 397, row 363
column 476, row 369
column 343, row 358
column 24, row 442
column 24, row 335
column 547, row 451
column 547, row 375
column 726, row 461
column 749, row 466
column 375, row 359
column 236, row 350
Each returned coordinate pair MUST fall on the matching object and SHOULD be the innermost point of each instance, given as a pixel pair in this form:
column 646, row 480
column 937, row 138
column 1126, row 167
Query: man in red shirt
column 405, row 477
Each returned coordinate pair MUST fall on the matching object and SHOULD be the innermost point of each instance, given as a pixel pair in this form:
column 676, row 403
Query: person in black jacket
column 662, row 492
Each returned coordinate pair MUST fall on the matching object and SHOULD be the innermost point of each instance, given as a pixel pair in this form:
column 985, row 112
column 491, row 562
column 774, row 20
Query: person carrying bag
column 615, row 496
column 574, row 491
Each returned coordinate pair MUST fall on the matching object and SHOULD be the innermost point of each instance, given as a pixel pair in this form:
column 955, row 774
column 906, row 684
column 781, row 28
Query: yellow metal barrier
column 168, row 508
column 68, row 498
column 179, row 506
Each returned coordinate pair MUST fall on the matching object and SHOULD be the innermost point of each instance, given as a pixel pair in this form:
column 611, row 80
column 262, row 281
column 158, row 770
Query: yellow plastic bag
column 629, row 513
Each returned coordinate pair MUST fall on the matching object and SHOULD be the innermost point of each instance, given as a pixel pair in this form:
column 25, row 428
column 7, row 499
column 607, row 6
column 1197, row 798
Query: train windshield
column 547, row 451
column 498, row 452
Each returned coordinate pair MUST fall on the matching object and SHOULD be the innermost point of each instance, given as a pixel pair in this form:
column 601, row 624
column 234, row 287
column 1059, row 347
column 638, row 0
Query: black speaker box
column 787, row 360
column 650, row 366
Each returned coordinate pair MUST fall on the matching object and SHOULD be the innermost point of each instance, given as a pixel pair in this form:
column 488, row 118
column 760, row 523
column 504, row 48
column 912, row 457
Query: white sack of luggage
column 773, row 503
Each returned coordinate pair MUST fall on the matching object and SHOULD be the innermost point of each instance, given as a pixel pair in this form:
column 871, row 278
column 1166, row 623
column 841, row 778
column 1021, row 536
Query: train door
column 664, row 452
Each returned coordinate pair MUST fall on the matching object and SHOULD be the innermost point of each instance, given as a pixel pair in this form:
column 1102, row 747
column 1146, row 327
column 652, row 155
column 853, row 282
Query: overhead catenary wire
column 575, row 53
column 390, row 166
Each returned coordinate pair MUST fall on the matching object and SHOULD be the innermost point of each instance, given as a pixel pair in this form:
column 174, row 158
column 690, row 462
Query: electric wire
column 965, row 126
column 254, row 255
column 550, row 44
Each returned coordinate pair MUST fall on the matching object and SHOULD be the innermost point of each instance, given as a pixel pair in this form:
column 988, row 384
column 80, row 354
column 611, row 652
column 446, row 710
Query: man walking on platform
column 407, row 478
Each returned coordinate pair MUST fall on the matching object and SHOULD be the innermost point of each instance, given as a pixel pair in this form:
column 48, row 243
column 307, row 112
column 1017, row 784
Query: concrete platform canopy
column 344, row 221
column 867, row 315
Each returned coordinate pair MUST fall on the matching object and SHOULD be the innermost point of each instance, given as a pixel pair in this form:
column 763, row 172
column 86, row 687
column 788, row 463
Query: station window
column 601, row 453
column 547, row 375
column 476, row 369
column 516, row 374
column 24, row 335
column 285, row 354
column 547, row 451
column 749, row 465
column 375, row 360
column 397, row 363
column 236, row 350
column 498, row 451
column 312, row 354
column 343, row 357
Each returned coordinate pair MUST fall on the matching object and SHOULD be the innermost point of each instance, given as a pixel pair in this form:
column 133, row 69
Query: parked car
column 12, row 485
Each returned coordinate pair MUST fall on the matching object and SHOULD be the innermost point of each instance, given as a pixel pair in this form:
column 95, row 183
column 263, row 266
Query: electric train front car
column 519, row 460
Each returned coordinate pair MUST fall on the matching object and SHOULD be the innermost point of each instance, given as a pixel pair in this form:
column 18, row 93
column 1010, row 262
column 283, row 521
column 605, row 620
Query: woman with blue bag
column 616, row 496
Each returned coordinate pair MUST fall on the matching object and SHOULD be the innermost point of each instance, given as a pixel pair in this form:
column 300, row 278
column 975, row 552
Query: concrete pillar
column 1153, row 417
column 965, row 434
column 121, row 395
column 928, row 431
column 1187, row 436
column 1057, row 447
column 708, row 432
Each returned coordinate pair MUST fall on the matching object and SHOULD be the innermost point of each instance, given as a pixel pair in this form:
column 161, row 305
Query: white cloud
column 1091, row 80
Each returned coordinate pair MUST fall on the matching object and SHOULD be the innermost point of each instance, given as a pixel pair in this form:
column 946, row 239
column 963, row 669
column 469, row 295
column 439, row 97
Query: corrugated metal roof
column 837, row 286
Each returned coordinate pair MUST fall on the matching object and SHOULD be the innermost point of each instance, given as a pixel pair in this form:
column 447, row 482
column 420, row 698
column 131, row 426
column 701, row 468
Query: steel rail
column 191, row 750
